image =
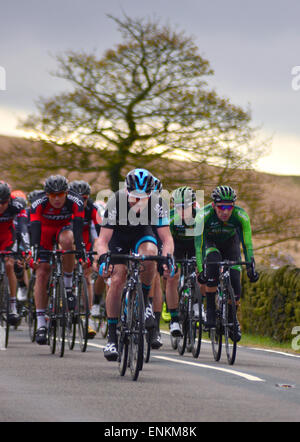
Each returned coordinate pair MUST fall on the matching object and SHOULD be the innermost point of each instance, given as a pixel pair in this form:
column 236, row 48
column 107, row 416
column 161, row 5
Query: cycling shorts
column 121, row 243
column 49, row 237
column 184, row 249
column 7, row 239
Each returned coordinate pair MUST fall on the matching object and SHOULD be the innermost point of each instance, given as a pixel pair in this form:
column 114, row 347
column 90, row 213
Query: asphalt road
column 36, row 386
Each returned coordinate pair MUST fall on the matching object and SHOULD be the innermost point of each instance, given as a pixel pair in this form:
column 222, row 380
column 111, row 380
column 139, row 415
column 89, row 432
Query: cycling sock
column 68, row 280
column 13, row 305
column 112, row 329
column 97, row 299
column 174, row 314
column 41, row 320
column 157, row 318
column 211, row 301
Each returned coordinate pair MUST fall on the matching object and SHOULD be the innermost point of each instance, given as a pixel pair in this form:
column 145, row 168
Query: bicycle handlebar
column 135, row 257
column 228, row 263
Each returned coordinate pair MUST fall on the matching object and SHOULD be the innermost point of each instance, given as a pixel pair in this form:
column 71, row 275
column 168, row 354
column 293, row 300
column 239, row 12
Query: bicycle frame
column 191, row 327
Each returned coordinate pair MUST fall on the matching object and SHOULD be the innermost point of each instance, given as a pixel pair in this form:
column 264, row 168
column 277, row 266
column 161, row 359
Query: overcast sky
column 252, row 47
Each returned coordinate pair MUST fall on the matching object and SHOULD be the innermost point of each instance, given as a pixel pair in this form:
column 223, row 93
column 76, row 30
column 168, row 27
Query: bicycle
column 226, row 317
column 56, row 312
column 131, row 324
column 5, row 295
column 78, row 314
column 190, row 308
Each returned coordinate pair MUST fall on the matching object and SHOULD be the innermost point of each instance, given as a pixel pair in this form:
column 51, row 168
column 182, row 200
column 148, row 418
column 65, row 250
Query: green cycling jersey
column 218, row 231
column 184, row 230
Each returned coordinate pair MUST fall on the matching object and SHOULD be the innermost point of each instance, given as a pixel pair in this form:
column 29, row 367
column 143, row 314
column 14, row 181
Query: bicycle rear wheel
column 4, row 309
column 230, row 326
column 136, row 331
column 196, row 332
column 83, row 311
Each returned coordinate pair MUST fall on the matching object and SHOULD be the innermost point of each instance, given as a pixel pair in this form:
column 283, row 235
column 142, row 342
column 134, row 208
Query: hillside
column 278, row 192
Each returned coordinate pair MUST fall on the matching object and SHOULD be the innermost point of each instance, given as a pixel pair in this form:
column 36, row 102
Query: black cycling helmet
column 140, row 181
column 55, row 184
column 223, row 194
column 34, row 195
column 5, row 191
column 81, row 187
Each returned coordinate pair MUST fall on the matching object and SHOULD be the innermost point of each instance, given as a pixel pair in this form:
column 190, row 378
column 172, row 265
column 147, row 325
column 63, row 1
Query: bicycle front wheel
column 230, row 326
column 147, row 347
column 51, row 314
column 136, row 331
column 31, row 316
column 4, row 309
column 183, row 321
column 122, row 338
column 61, row 319
column 196, row 332
column 83, row 311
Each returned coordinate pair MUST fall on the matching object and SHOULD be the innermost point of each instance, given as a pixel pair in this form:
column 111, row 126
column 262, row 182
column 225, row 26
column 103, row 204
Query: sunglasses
column 3, row 202
column 226, row 207
column 59, row 194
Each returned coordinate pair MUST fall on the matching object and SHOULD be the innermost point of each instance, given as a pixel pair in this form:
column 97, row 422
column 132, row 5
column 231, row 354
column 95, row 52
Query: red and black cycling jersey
column 14, row 212
column 43, row 214
column 91, row 214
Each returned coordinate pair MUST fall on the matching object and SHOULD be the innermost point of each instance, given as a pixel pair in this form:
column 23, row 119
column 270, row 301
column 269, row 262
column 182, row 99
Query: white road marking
column 249, row 377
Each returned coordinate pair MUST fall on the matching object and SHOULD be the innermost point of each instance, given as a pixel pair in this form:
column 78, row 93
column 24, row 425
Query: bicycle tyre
column 122, row 339
column 4, row 309
column 147, row 347
column 51, row 318
column 31, row 316
column 230, row 344
column 183, row 321
column 71, row 328
column 83, row 312
column 136, row 329
column 60, row 317
column 197, row 323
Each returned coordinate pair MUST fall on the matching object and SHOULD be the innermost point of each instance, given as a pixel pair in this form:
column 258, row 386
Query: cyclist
column 153, row 311
column 183, row 228
column 126, row 226
column 90, row 216
column 12, row 208
column 51, row 216
column 19, row 267
column 225, row 227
